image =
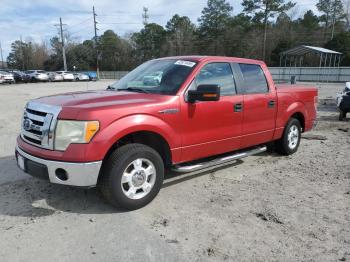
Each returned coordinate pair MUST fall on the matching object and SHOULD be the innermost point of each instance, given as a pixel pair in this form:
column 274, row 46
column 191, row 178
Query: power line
column 81, row 22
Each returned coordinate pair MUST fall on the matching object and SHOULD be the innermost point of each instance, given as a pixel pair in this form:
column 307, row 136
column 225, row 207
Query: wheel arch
column 296, row 110
column 300, row 117
column 148, row 138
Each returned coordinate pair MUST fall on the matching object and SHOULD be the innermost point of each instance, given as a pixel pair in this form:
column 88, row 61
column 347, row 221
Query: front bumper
column 65, row 173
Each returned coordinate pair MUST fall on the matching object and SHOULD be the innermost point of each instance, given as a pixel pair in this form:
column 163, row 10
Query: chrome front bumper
column 76, row 174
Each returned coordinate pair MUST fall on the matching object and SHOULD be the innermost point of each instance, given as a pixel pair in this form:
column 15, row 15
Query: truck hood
column 85, row 103
column 94, row 99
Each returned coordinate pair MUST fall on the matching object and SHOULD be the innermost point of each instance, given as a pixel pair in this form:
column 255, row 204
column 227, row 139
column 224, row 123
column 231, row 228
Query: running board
column 186, row 168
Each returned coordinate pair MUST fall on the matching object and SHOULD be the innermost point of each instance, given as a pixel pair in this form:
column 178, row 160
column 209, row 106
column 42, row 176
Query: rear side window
column 217, row 74
column 254, row 80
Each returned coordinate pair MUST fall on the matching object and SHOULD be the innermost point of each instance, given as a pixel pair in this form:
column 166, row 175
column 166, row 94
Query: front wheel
column 290, row 141
column 132, row 176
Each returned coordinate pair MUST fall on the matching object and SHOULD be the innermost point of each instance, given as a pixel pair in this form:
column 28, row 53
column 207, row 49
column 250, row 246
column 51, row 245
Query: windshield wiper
column 110, row 88
column 134, row 89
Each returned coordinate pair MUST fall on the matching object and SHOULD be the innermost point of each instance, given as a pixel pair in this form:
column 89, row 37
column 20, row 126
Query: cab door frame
column 210, row 128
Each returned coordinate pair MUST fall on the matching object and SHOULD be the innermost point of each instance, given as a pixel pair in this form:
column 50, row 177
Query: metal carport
column 328, row 58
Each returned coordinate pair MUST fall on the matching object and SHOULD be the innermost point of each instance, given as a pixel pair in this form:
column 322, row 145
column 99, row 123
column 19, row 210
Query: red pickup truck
column 180, row 113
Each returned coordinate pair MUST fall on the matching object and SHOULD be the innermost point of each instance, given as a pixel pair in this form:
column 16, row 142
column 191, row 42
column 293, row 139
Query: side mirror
column 204, row 93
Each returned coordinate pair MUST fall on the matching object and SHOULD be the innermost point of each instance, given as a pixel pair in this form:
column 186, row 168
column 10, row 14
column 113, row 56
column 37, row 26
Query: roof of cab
column 197, row 58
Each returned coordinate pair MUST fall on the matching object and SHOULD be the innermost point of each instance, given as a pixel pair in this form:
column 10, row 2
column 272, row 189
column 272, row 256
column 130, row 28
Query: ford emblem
column 27, row 124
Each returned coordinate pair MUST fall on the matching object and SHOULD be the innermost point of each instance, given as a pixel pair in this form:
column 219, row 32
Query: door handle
column 238, row 107
column 271, row 104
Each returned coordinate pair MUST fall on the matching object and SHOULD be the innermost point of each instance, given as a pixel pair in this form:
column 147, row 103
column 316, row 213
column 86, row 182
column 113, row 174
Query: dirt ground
column 263, row 208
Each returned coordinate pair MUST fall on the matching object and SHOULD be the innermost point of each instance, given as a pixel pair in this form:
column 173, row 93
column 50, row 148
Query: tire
column 132, row 163
column 342, row 115
column 290, row 141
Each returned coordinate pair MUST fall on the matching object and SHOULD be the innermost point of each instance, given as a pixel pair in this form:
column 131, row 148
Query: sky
column 35, row 20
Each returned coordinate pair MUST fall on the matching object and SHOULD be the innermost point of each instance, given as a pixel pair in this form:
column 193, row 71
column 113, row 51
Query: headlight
column 74, row 132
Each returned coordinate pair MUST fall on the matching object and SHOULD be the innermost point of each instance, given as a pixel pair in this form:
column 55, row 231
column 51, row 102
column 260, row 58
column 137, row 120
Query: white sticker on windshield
column 185, row 63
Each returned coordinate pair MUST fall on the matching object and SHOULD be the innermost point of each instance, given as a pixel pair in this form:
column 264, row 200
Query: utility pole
column 22, row 53
column 96, row 48
column 145, row 16
column 2, row 58
column 63, row 48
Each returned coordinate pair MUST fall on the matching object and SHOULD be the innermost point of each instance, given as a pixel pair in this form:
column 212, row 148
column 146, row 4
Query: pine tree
column 263, row 10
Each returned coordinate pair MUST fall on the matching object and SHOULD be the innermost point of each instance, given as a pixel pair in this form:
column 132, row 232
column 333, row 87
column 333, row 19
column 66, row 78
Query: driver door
column 212, row 127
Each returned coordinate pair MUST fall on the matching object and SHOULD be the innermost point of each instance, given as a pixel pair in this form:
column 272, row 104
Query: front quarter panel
column 108, row 136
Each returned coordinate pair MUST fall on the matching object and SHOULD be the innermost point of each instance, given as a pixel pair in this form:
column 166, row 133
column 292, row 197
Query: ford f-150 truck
column 201, row 112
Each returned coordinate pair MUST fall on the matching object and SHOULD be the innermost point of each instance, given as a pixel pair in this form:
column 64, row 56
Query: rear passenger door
column 259, row 104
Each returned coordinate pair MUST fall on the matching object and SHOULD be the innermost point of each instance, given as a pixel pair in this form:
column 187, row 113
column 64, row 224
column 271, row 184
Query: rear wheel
column 132, row 176
column 290, row 141
column 342, row 115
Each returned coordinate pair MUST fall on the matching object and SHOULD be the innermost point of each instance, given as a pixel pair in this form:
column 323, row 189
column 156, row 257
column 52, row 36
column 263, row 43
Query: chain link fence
column 311, row 74
column 112, row 74
column 281, row 74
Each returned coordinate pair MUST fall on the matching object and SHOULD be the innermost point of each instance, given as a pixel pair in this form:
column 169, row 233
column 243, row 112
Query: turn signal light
column 91, row 129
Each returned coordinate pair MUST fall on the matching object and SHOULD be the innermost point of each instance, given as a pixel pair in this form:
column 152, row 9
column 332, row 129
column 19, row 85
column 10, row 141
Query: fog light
column 61, row 174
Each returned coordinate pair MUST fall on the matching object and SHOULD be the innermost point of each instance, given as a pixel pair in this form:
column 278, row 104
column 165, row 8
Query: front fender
column 108, row 136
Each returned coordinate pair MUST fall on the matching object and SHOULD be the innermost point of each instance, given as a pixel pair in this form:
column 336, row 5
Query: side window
column 254, row 80
column 216, row 74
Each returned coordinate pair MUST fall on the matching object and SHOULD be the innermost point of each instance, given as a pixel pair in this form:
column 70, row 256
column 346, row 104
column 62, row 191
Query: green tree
column 113, row 52
column 82, row 56
column 212, row 26
column 310, row 21
column 21, row 55
column 281, row 46
column 55, row 61
column 263, row 10
column 180, row 35
column 236, row 35
column 332, row 13
column 149, row 42
column 341, row 43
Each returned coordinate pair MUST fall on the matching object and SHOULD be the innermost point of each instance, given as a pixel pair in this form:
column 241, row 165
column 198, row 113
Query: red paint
column 198, row 130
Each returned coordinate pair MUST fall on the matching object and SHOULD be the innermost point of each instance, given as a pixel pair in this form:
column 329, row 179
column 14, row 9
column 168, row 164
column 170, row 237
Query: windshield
column 156, row 76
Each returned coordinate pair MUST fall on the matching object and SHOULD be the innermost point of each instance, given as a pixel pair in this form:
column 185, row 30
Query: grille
column 38, row 124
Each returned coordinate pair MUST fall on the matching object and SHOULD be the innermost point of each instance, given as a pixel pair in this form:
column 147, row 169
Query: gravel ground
column 263, row 208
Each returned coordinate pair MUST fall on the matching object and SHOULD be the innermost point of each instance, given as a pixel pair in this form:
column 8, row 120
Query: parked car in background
column 67, row 76
column 81, row 77
column 54, row 77
column 36, row 76
column 19, row 76
column 92, row 75
column 6, row 77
